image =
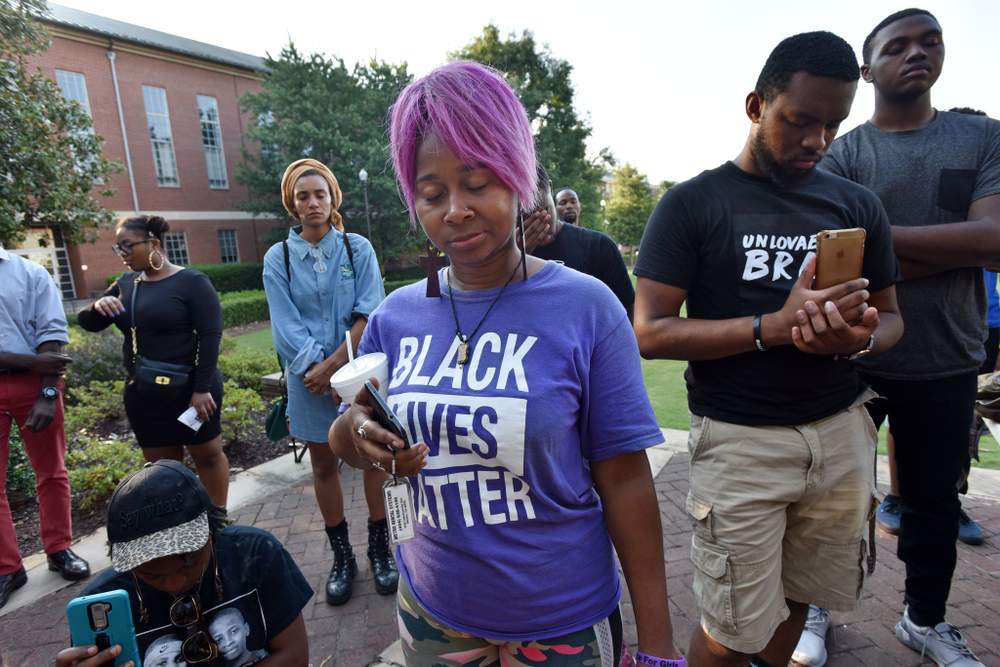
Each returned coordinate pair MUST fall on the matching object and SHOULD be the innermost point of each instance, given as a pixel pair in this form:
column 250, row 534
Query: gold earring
column 151, row 264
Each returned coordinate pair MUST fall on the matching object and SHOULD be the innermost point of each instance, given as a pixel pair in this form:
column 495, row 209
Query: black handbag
column 156, row 378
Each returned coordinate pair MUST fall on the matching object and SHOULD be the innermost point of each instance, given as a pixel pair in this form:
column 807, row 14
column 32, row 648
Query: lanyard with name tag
column 399, row 508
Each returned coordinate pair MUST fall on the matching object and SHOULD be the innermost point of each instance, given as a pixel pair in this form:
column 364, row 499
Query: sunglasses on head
column 198, row 645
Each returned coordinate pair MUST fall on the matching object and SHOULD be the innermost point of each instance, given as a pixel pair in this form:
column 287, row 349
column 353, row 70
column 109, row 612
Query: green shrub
column 234, row 277
column 96, row 465
column 227, row 345
column 97, row 357
column 20, row 474
column 245, row 309
column 227, row 277
column 242, row 413
column 95, row 405
column 226, row 297
column 245, row 367
column 392, row 285
column 407, row 273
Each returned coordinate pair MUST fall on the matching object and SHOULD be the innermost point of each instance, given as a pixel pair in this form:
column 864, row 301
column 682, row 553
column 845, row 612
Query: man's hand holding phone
column 835, row 320
column 379, row 446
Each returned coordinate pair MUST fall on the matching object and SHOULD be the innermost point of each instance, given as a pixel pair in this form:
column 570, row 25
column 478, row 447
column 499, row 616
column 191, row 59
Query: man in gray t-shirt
column 938, row 176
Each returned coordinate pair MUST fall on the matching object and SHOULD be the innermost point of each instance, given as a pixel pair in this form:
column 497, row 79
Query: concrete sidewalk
column 357, row 634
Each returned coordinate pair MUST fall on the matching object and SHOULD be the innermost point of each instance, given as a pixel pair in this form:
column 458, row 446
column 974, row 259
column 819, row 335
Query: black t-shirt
column 264, row 591
column 736, row 243
column 591, row 252
column 178, row 318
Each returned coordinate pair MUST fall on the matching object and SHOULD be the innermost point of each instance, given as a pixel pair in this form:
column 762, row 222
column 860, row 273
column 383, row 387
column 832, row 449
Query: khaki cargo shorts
column 779, row 512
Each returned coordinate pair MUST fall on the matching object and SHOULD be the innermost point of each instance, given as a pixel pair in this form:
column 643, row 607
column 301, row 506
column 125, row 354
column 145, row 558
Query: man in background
column 568, row 206
column 548, row 236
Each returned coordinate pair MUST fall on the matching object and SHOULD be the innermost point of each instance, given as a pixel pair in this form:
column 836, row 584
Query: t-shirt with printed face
column 511, row 541
column 929, row 176
column 737, row 243
column 263, row 592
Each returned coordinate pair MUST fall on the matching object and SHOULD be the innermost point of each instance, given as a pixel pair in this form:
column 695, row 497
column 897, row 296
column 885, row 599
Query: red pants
column 47, row 453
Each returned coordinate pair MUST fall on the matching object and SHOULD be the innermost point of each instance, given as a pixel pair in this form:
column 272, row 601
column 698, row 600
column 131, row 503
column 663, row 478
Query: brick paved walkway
column 353, row 635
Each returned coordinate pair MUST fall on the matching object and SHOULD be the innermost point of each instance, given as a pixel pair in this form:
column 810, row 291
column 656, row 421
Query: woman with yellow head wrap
column 310, row 167
column 321, row 282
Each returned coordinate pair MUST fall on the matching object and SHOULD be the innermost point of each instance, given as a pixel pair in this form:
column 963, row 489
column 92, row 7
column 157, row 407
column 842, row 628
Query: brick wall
column 183, row 79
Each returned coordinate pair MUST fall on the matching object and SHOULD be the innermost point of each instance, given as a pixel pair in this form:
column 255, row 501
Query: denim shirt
column 310, row 314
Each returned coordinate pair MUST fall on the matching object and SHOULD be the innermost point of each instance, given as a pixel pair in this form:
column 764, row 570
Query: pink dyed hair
column 477, row 115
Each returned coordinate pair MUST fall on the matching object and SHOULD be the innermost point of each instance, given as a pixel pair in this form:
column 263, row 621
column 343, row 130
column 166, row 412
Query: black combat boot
column 345, row 567
column 380, row 556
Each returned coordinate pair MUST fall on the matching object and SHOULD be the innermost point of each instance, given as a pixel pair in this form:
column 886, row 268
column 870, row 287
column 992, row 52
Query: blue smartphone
column 103, row 620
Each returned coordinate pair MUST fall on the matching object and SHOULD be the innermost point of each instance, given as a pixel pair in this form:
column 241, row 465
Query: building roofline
column 75, row 19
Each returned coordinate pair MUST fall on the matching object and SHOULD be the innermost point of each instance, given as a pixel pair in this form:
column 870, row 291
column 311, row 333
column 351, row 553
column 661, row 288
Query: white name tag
column 399, row 510
column 190, row 419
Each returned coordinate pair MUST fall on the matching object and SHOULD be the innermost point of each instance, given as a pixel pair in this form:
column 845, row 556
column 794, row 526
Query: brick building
column 168, row 110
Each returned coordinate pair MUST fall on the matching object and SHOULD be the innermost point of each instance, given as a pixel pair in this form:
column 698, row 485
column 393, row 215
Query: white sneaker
column 811, row 650
column 943, row 643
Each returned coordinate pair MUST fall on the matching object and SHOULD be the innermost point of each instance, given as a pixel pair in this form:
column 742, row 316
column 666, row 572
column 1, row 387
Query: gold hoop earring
column 151, row 264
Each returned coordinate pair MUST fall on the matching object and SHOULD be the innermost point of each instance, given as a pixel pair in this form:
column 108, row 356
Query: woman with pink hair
column 519, row 381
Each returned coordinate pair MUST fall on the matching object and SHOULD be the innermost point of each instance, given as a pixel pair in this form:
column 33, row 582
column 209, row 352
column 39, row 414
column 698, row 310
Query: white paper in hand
column 190, row 419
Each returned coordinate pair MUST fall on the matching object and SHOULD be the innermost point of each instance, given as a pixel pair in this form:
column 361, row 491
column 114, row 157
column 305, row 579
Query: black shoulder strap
column 288, row 265
column 350, row 254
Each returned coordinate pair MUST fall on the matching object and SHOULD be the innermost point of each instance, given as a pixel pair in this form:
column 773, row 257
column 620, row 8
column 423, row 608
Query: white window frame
column 227, row 237
column 175, row 245
column 73, row 87
column 211, row 133
column 164, row 156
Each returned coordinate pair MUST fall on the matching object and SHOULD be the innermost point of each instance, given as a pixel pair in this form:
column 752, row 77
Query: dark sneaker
column 888, row 514
column 968, row 530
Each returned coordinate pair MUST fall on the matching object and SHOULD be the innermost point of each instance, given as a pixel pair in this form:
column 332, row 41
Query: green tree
column 50, row 157
column 629, row 205
column 314, row 106
column 543, row 83
column 661, row 189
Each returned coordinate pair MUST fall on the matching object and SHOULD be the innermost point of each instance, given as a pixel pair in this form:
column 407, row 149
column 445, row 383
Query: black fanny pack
column 156, row 377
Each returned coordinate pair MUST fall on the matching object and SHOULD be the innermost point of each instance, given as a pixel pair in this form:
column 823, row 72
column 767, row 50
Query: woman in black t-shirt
column 178, row 321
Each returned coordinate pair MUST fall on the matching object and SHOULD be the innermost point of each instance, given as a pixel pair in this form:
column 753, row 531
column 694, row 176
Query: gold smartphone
column 840, row 254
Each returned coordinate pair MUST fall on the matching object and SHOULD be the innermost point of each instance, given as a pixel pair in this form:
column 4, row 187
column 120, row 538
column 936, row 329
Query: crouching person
column 200, row 592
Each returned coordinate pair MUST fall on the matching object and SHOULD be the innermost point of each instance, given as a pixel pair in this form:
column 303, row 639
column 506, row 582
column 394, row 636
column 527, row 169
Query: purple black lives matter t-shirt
column 511, row 540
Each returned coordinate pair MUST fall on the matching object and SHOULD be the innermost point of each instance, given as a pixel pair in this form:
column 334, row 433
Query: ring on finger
column 378, row 466
column 361, row 429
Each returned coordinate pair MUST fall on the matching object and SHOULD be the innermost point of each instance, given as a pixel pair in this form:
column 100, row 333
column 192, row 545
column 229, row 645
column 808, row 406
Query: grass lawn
column 256, row 340
column 665, row 385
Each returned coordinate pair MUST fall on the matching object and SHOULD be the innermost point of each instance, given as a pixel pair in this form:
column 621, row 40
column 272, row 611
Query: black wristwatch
column 51, row 393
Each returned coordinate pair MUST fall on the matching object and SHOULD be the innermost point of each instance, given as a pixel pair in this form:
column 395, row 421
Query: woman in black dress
column 178, row 320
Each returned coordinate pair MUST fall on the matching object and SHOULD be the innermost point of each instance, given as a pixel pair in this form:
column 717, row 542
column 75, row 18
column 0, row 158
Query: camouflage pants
column 427, row 643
